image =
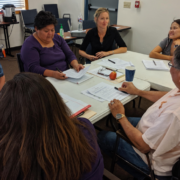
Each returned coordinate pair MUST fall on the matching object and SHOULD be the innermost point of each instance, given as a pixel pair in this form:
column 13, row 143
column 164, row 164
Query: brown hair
column 99, row 11
column 38, row 140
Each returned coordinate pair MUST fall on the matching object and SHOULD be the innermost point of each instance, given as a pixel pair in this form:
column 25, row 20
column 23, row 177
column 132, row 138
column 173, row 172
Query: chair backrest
column 87, row 24
column 52, row 8
column 64, row 23
column 68, row 17
column 20, row 63
column 28, row 16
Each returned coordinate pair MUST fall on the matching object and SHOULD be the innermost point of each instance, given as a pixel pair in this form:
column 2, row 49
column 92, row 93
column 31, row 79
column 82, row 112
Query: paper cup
column 129, row 71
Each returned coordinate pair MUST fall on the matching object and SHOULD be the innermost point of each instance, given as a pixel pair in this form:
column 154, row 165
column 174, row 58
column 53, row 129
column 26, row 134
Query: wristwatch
column 119, row 116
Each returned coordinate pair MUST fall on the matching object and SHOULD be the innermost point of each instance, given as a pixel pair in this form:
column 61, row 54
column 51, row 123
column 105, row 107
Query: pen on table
column 111, row 61
column 59, row 70
column 154, row 62
column 120, row 91
column 110, row 69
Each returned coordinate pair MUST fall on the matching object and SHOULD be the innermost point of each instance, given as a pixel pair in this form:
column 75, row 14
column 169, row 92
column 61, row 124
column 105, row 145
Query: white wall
column 150, row 24
column 17, row 37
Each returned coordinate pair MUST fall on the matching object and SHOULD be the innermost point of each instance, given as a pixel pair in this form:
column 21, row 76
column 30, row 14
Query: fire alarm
column 137, row 4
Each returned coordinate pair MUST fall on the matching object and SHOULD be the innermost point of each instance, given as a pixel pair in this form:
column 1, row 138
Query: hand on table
column 129, row 88
column 101, row 54
column 78, row 67
column 92, row 58
column 116, row 107
column 59, row 75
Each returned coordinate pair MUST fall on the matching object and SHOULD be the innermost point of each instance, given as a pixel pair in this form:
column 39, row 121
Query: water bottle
column 61, row 31
column 80, row 20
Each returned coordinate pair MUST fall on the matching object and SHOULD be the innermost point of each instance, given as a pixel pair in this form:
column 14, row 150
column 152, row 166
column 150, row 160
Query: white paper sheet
column 105, row 72
column 87, row 93
column 77, row 31
column 80, row 80
column 74, row 74
column 155, row 65
column 119, row 64
column 107, row 92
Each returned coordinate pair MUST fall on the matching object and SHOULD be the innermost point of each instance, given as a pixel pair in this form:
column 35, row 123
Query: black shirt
column 107, row 45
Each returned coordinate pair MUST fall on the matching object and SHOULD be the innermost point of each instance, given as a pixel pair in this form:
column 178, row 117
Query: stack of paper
column 155, row 65
column 71, row 73
column 76, row 106
column 104, row 73
column 80, row 80
column 115, row 63
column 106, row 92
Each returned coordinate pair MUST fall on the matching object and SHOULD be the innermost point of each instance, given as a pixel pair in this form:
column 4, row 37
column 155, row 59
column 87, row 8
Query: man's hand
column 129, row 88
column 116, row 107
column 59, row 75
column 102, row 54
column 78, row 67
column 92, row 58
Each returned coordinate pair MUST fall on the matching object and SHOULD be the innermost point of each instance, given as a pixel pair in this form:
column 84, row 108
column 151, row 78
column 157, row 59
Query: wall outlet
column 127, row 4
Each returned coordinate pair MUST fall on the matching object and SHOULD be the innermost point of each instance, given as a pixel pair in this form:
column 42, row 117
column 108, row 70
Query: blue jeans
column 106, row 141
column 1, row 71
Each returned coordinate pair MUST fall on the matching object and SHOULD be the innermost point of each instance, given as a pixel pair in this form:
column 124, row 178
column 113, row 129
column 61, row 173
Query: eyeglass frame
column 170, row 65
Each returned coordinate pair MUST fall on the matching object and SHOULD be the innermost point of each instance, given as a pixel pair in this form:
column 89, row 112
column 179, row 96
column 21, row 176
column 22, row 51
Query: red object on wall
column 137, row 4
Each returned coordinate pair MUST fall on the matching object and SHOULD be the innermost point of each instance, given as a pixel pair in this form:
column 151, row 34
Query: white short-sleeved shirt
column 160, row 126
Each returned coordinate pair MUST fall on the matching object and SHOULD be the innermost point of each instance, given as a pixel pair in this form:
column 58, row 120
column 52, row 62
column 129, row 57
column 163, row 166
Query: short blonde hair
column 99, row 11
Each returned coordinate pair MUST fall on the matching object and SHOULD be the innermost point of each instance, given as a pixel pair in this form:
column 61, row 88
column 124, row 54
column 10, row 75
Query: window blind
column 19, row 4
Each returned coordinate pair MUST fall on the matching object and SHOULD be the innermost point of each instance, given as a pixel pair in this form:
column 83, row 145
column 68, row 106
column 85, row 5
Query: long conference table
column 101, row 108
column 159, row 80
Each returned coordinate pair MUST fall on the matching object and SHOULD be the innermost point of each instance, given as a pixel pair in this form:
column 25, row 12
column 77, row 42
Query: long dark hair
column 38, row 140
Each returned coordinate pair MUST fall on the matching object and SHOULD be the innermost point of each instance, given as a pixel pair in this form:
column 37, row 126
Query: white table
column 101, row 108
column 159, row 80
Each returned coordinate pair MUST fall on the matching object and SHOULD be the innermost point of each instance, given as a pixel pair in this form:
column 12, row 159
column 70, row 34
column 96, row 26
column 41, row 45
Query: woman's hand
column 92, row 58
column 116, row 107
column 59, row 75
column 102, row 54
column 78, row 67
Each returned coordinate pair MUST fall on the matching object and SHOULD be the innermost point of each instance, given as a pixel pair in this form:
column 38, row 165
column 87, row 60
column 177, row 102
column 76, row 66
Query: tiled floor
column 10, row 68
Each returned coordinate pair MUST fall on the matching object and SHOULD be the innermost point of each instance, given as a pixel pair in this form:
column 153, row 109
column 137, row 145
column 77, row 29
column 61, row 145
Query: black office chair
column 87, row 24
column 52, row 8
column 20, row 63
column 121, row 134
column 28, row 17
column 64, row 23
column 68, row 17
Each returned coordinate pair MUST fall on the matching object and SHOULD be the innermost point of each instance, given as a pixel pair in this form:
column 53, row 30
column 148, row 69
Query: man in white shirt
column 157, row 132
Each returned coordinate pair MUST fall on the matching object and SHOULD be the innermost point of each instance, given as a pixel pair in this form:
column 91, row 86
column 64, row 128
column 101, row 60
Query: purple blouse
column 37, row 59
column 98, row 165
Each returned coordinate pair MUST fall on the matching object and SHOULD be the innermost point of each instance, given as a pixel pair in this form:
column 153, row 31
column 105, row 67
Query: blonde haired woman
column 102, row 38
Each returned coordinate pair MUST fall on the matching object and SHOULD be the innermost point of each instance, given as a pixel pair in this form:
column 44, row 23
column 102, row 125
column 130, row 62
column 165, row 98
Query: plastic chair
column 64, row 23
column 20, row 63
column 28, row 17
column 52, row 8
column 68, row 17
column 87, row 24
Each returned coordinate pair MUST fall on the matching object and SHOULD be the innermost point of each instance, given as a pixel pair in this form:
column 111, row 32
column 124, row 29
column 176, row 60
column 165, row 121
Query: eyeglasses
column 170, row 65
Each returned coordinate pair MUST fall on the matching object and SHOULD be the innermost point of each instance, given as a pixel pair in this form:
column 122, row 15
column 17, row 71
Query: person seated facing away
column 45, row 52
column 39, row 139
column 167, row 46
column 2, row 78
column 102, row 38
column 157, row 132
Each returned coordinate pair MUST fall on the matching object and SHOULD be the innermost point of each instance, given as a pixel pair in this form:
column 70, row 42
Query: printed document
column 115, row 63
column 155, row 65
column 107, row 92
column 72, row 73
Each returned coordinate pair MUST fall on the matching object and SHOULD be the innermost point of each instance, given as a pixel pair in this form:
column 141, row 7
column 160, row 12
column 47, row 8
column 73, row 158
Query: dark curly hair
column 44, row 18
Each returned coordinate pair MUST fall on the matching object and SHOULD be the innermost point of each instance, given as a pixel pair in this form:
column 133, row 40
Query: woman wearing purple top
column 39, row 140
column 44, row 52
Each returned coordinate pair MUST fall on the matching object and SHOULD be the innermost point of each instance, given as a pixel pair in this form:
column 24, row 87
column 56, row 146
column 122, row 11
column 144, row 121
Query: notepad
column 76, row 106
column 80, row 80
column 155, row 65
